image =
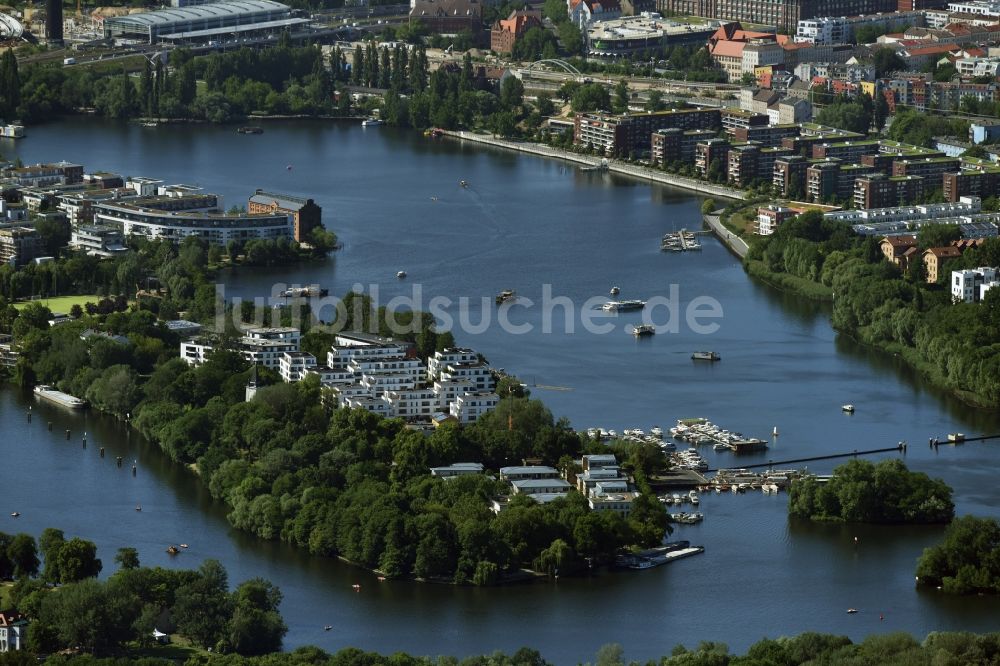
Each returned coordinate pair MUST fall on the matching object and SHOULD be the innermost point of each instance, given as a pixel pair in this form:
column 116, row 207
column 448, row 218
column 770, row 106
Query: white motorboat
column 848, row 408
column 401, row 274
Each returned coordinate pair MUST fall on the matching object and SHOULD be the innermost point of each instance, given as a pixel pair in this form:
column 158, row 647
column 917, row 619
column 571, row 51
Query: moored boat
column 623, row 306
column 371, row 122
column 58, row 397
column 250, row 129
column 705, row 356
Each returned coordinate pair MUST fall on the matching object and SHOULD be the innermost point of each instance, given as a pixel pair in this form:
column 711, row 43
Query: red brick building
column 305, row 214
column 506, row 32
column 448, row 17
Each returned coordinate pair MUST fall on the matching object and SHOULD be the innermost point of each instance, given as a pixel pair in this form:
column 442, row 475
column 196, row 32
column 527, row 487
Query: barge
column 58, row 397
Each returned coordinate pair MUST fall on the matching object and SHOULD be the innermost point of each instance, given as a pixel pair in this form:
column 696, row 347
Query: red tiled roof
column 944, row 252
column 901, row 241
column 727, row 48
column 931, row 50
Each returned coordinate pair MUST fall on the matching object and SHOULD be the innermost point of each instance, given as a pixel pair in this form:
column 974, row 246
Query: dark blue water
column 524, row 223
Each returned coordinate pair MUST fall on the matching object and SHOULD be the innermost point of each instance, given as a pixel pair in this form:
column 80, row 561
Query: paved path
column 734, row 242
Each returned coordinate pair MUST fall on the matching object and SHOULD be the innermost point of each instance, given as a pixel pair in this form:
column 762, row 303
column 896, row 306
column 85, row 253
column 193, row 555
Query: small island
column 865, row 492
column 967, row 561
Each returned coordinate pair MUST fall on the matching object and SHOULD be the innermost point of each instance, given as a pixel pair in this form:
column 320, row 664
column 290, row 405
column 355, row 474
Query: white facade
column 536, row 486
column 176, row 225
column 293, row 366
column 469, row 407
column 975, row 7
column 413, row 403
column 477, row 373
column 13, row 629
column 442, row 359
column 260, row 346
column 964, row 206
column 840, row 29
column 969, row 286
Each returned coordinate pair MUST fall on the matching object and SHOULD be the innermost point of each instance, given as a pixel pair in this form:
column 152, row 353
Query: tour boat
column 848, row 408
column 705, row 356
column 642, row 330
column 401, row 274
column 623, row 306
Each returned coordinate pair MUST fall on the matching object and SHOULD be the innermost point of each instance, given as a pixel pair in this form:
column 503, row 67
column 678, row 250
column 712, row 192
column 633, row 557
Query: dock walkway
column 899, row 448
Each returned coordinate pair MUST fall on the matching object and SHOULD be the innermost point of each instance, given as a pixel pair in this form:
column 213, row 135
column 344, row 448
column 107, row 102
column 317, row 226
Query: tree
column 556, row 11
column 619, row 103
column 511, row 93
column 707, row 206
column 256, row 627
column 203, row 606
column 654, row 101
column 23, row 555
column 50, row 542
column 571, row 38
column 965, row 562
column 886, row 60
column 881, row 111
column 76, row 560
column 127, row 558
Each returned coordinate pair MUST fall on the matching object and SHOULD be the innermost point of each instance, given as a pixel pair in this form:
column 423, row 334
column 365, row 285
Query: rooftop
column 227, row 8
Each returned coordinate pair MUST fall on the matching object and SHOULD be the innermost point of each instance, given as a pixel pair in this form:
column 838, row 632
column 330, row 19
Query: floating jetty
column 654, row 557
column 46, row 392
column 681, row 241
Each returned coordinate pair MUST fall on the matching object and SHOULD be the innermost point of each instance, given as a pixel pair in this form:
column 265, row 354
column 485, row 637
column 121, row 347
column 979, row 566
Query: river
column 394, row 199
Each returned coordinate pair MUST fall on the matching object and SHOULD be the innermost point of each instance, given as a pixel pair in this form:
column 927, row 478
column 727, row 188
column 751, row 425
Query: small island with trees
column 865, row 492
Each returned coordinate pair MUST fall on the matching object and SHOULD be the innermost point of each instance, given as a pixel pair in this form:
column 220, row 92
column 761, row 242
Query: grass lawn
column 179, row 649
column 62, row 303
column 5, row 594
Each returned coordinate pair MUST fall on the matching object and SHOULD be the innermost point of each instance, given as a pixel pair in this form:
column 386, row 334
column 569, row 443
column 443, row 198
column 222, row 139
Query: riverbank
column 614, row 166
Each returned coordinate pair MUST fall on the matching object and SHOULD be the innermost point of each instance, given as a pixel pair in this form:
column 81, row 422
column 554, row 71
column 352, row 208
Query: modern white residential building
column 413, row 403
column 469, row 407
column 175, row 218
column 477, row 373
column 535, row 486
column 98, row 241
column 260, row 346
column 294, row 365
column 969, row 286
column 518, row 472
column 457, row 469
column 840, row 29
column 442, row 359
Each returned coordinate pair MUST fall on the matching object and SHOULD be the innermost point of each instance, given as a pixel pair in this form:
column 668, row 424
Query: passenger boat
column 506, row 295
column 706, row 356
column 623, row 306
column 58, row 397
column 643, row 330
column 252, row 129
column 371, row 122
column 848, row 408
column 303, row 292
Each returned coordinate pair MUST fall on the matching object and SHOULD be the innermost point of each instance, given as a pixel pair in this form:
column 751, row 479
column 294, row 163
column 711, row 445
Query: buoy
column 775, row 431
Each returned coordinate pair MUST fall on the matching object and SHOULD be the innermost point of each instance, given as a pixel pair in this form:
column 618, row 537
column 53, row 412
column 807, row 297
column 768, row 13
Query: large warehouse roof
column 207, row 11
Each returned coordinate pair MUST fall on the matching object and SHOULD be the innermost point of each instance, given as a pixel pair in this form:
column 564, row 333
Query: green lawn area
column 179, row 649
column 62, row 303
column 5, row 595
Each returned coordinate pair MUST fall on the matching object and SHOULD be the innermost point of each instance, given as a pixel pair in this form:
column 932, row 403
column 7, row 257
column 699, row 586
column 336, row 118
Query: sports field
column 62, row 303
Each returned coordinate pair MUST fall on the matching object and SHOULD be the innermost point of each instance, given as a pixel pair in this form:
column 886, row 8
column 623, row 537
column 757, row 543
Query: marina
column 58, row 397
column 679, row 241
column 702, row 431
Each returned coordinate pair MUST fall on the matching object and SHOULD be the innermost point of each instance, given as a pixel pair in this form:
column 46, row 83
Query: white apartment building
column 442, row 359
column 620, row 503
column 293, row 366
column 970, row 286
column 260, row 346
column 457, row 469
column 413, row 403
column 840, row 29
column 968, row 205
column 536, row 486
column 370, row 404
column 331, row 376
column 975, row 7
column 475, row 372
column 469, row 407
